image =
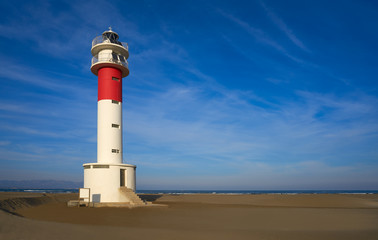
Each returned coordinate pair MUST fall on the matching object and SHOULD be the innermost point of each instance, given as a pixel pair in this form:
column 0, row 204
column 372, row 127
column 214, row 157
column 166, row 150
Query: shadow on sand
column 149, row 197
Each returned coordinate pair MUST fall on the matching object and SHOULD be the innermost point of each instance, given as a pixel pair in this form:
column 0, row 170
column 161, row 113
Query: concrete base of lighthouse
column 109, row 183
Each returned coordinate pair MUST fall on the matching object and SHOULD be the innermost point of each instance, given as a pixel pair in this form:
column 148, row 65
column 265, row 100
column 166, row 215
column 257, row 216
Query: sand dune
column 196, row 216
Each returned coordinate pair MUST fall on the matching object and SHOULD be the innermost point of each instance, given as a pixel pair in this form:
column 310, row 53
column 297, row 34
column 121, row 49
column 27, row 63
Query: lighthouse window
column 100, row 166
column 115, row 125
column 115, row 150
column 115, row 56
column 115, row 102
column 121, row 58
column 115, row 79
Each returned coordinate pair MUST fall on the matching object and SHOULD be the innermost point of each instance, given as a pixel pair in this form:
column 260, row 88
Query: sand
column 195, row 216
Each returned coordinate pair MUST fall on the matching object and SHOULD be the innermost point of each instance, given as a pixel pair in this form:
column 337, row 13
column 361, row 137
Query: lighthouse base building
column 109, row 180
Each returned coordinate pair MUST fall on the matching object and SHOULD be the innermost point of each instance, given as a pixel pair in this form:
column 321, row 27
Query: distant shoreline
column 237, row 192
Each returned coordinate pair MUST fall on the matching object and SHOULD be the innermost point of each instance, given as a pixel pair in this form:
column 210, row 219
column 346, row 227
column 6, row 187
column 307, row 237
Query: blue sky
column 221, row 94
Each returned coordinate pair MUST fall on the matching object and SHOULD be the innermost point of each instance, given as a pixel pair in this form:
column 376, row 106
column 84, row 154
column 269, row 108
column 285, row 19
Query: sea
column 283, row 192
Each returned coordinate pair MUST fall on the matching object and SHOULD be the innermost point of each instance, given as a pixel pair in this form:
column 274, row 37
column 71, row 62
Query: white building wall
column 108, row 137
column 130, row 178
column 104, row 183
column 105, row 55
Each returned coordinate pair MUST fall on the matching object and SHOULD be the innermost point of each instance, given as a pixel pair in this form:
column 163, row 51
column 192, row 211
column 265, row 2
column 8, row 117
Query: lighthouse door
column 123, row 177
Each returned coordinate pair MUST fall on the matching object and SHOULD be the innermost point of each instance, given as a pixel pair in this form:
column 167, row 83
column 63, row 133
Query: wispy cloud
column 260, row 36
column 283, row 27
column 4, row 143
column 45, row 32
column 261, row 176
column 65, row 33
column 257, row 33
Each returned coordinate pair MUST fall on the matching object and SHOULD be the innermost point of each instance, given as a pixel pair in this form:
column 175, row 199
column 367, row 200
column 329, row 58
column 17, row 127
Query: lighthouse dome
column 111, row 36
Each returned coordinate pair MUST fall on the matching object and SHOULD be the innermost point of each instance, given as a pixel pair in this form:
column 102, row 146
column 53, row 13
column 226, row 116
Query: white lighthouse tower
column 110, row 180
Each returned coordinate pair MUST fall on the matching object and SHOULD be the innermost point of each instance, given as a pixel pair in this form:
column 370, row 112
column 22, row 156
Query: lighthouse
column 109, row 179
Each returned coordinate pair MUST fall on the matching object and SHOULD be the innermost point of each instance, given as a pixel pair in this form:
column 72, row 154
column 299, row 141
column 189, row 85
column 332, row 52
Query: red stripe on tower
column 110, row 84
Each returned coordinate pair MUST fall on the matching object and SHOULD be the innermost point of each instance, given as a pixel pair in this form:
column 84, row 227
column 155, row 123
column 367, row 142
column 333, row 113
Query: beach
column 193, row 216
